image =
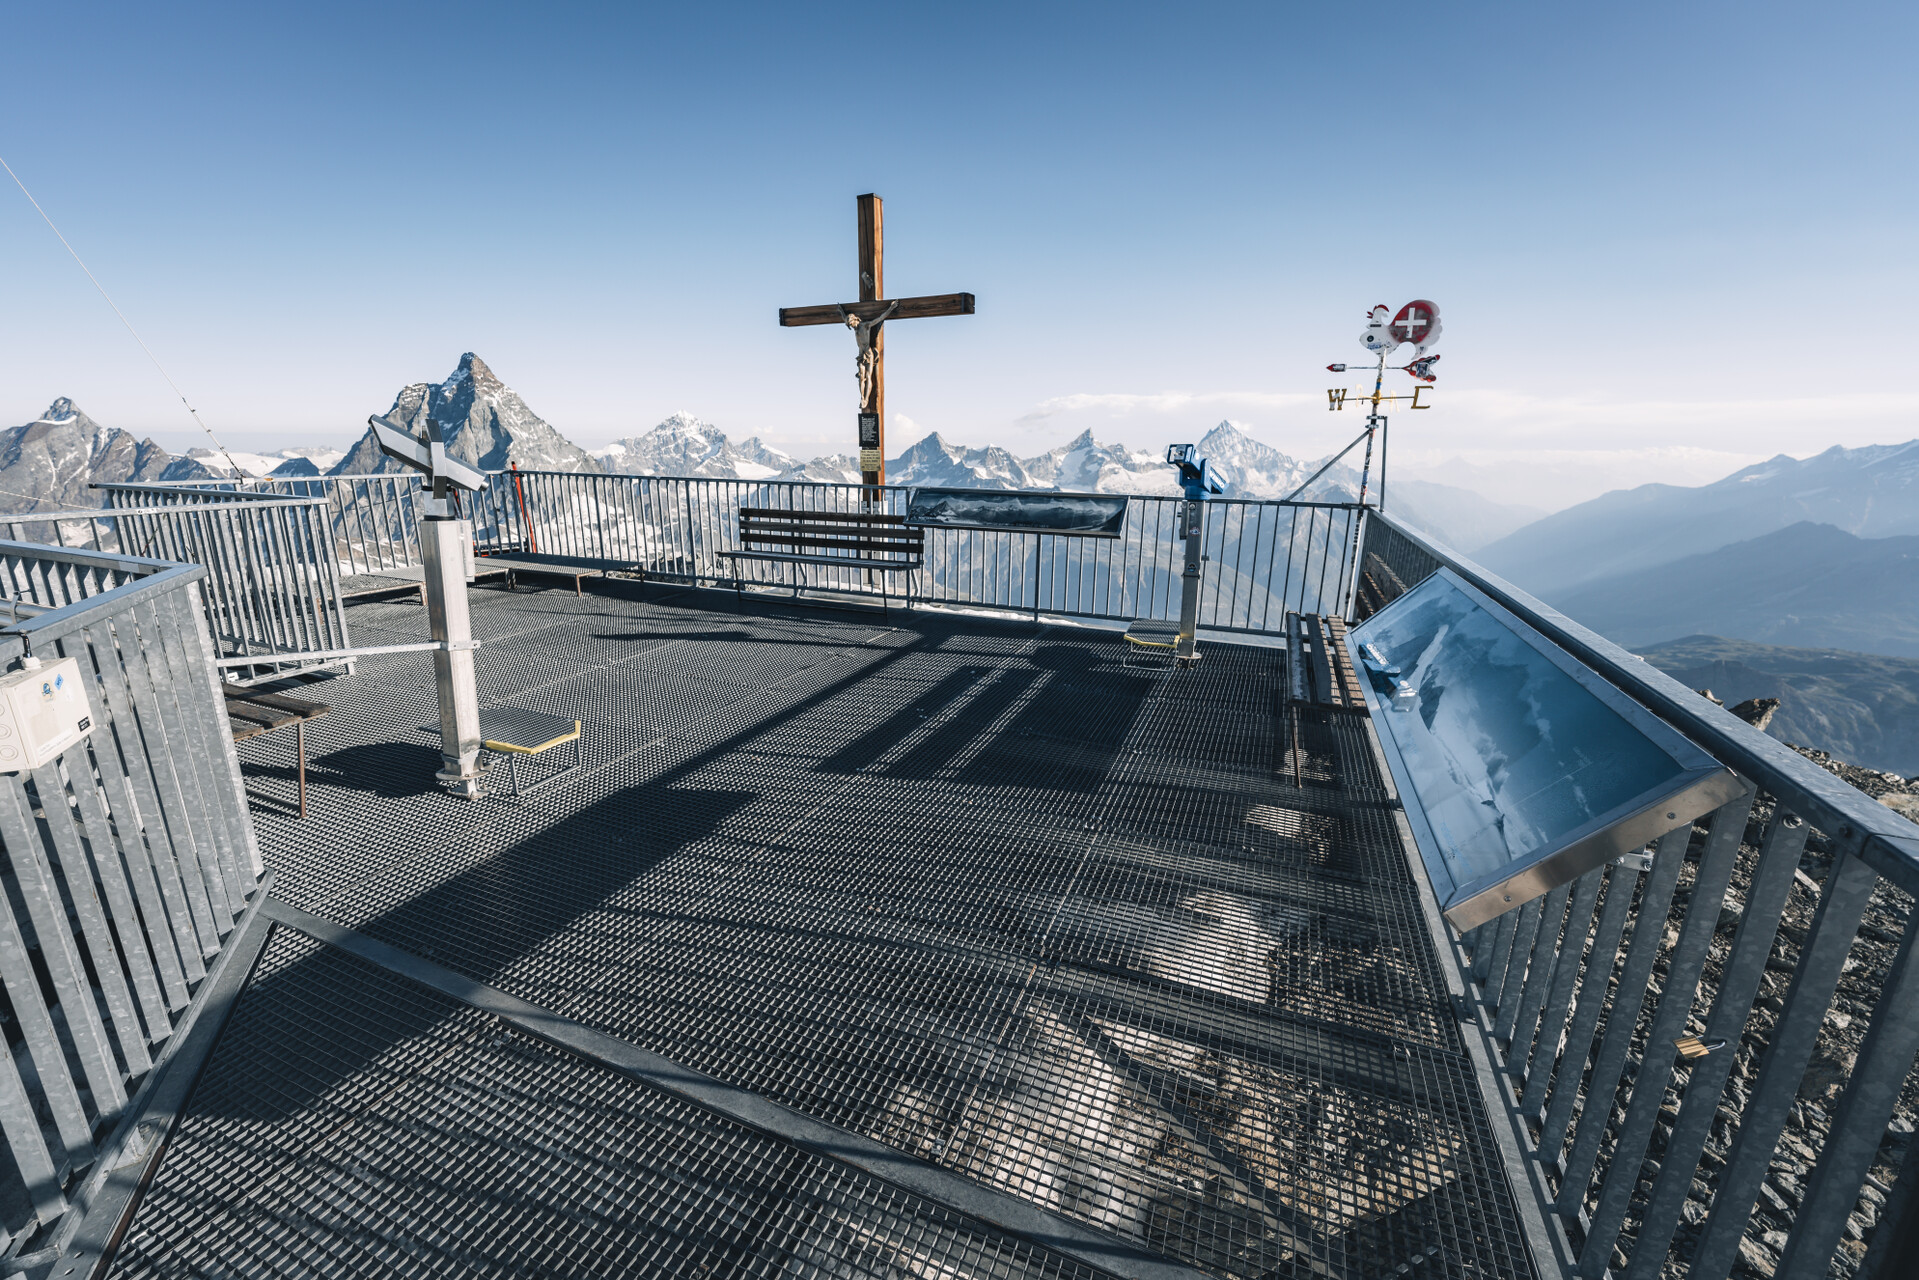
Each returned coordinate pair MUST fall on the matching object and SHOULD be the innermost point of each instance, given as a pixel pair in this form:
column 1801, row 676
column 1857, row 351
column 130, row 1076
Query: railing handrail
column 55, row 623
column 152, row 891
column 235, row 495
column 1855, row 822
column 91, row 559
column 113, row 513
column 897, row 488
column 1269, row 556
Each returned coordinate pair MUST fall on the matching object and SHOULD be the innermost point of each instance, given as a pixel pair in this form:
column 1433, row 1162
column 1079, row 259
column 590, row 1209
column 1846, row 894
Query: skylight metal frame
column 1702, row 786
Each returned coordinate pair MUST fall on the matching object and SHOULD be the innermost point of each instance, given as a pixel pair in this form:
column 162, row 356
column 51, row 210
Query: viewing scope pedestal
column 1196, row 479
column 446, row 545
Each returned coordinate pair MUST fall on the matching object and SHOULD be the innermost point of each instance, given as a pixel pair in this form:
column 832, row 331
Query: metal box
column 43, row 711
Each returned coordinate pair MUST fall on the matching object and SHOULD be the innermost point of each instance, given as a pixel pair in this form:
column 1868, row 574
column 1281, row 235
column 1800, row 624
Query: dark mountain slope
column 1871, row 492
column 1807, row 584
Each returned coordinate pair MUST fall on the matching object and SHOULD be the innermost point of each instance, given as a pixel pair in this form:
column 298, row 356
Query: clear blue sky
column 1651, row 227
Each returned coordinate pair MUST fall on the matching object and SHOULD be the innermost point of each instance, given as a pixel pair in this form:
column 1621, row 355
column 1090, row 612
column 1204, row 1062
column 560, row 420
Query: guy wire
column 237, row 473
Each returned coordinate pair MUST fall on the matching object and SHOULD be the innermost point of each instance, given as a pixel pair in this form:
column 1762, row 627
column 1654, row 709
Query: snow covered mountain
column 684, row 445
column 48, row 463
column 932, row 461
column 1087, row 466
column 1248, row 468
column 837, row 468
column 484, row 422
column 488, row 425
column 212, row 464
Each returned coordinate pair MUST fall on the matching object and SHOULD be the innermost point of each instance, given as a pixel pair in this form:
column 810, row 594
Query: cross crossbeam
column 938, row 304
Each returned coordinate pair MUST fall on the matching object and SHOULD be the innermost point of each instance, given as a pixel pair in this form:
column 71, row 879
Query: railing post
column 1872, row 1090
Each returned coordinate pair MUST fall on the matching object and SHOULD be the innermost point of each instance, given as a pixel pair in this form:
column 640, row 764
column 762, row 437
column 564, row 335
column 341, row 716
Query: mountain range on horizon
column 1602, row 559
column 1807, row 585
column 1869, row 492
column 489, row 425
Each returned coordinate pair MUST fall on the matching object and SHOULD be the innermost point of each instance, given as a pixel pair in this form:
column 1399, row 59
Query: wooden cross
column 866, row 318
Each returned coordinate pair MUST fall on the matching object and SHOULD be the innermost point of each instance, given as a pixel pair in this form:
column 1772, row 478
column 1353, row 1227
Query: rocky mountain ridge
column 1870, row 492
column 48, row 464
column 484, row 422
column 1249, row 468
column 1862, row 707
column 684, row 445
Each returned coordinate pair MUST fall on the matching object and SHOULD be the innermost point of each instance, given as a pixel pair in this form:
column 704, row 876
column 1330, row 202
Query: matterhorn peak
column 474, row 368
column 484, row 422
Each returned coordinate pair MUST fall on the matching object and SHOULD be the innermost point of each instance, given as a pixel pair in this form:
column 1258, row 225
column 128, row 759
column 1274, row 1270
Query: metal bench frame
column 577, row 568
column 869, row 540
column 513, row 732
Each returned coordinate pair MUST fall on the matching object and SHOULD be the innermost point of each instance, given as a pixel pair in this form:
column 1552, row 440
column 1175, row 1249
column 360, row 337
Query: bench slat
column 822, row 517
column 835, row 562
column 837, row 544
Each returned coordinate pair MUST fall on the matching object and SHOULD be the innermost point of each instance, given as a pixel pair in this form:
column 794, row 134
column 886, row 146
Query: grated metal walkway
column 970, row 888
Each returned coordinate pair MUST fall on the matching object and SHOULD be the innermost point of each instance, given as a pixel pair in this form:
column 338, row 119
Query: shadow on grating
column 350, row 1123
column 972, row 888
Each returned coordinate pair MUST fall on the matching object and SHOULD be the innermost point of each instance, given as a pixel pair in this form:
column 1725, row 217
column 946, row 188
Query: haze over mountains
column 1871, row 492
column 1808, row 585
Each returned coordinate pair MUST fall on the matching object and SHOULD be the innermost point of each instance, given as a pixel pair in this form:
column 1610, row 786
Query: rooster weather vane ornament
column 1415, row 324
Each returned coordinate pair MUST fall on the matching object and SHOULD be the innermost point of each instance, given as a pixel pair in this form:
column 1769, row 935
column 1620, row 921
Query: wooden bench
column 871, row 540
column 1318, row 672
column 1319, row 676
column 250, row 714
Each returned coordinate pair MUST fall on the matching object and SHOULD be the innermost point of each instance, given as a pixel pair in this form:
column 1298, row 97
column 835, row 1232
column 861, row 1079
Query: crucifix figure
column 866, row 319
column 866, row 333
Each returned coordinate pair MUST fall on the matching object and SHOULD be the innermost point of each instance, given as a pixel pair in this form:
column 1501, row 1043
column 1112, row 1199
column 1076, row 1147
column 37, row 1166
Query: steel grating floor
column 970, row 888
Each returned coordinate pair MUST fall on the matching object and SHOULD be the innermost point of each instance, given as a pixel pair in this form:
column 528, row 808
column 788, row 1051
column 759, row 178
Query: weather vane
column 1386, row 331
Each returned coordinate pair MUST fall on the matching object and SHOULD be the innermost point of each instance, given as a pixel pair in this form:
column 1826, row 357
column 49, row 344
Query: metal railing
column 1265, row 557
column 273, row 590
column 1642, row 1160
column 373, row 519
column 130, row 855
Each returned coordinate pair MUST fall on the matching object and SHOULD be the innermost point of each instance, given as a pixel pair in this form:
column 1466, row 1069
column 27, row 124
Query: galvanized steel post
column 444, row 539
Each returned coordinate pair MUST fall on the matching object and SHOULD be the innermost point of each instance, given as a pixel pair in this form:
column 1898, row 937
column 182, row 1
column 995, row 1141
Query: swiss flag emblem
column 1414, row 322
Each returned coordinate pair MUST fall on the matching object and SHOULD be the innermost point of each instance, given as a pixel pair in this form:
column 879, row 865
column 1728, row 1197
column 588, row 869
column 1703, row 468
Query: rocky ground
column 1852, row 1008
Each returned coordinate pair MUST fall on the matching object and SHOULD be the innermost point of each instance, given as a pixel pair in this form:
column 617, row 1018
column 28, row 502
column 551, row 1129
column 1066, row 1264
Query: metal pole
column 1193, row 523
column 441, row 537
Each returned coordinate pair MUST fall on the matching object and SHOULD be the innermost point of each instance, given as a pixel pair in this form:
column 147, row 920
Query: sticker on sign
column 43, row 711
